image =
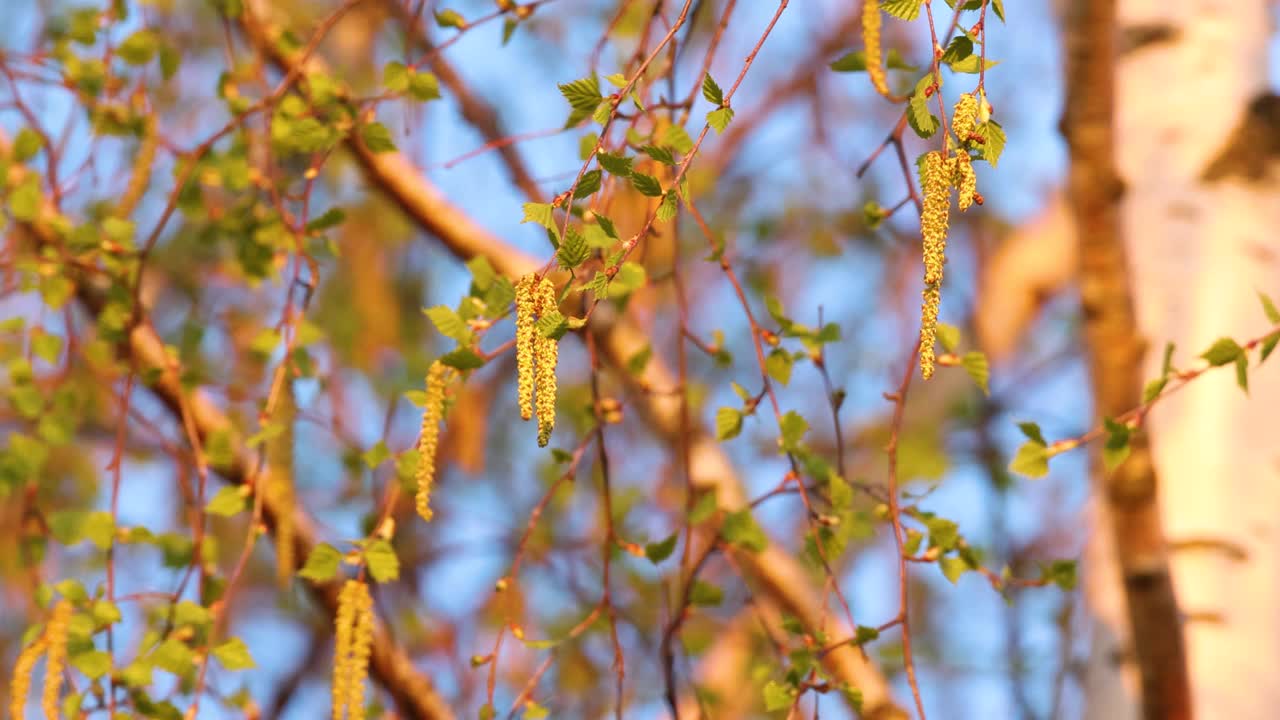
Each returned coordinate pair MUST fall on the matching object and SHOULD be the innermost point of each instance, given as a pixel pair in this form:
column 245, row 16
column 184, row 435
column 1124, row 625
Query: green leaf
column 93, row 663
column 998, row 7
column 960, row 48
column 659, row 551
column 1269, row 307
column 943, row 533
column 234, row 655
column 173, row 656
column 1224, row 351
column 720, row 118
column 740, row 529
column 449, row 323
column 728, row 423
column 377, row 137
column 227, row 502
column 778, row 364
column 793, row 428
column 711, row 91
column 667, row 208
column 383, row 564
column 423, row 86
column 993, row 141
column 573, row 251
column 973, row 65
column 24, row 200
column 646, row 184
column 376, row 455
column 1032, row 460
column 1242, row 372
column 449, row 19
column 332, row 217
column 46, row 346
column 583, row 97
column 100, row 529
column 395, row 77
column 1032, row 432
column 26, row 144
column 1268, row 345
column 902, row 9
column 856, row 61
column 704, row 594
column 1116, row 449
column 139, row 48
column 617, row 165
column 975, row 363
column 1061, row 573
column 704, row 508
column 865, row 634
column 949, row 336
column 629, row 278
column 923, row 122
column 778, row 696
column 322, row 564
column 543, row 214
column 1153, row 389
column 677, row 138
column 482, row 272
column 589, row 183
column 660, row 154
column 534, row 711
column 953, row 567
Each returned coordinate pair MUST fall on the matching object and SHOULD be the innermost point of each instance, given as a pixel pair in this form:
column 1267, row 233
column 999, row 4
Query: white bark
column 1198, row 252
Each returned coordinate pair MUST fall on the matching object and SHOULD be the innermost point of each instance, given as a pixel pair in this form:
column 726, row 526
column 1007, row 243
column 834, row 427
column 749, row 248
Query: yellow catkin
column 20, row 683
column 547, row 354
column 965, row 180
column 929, row 327
column 526, row 306
column 55, row 634
column 935, row 179
column 279, row 451
column 428, row 439
column 964, row 117
column 361, row 649
column 871, row 24
column 143, row 159
column 343, row 630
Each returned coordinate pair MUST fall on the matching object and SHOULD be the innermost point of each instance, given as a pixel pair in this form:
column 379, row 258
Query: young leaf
column 740, row 529
column 234, row 655
column 1032, row 460
column 659, row 551
column 383, row 564
column 728, row 423
column 1223, row 351
column 377, row 137
column 993, row 141
column 720, row 118
column 322, row 564
column 902, row 9
column 646, row 184
column 711, row 91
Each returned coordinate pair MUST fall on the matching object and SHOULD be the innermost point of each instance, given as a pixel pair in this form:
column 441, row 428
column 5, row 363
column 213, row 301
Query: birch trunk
column 1200, row 224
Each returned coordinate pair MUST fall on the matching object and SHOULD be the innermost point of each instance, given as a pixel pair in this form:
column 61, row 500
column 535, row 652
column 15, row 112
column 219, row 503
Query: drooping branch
column 1115, row 359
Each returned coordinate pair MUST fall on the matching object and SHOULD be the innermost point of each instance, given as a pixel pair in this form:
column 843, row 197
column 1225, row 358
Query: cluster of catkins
column 536, row 354
column 353, row 629
column 52, row 643
column 940, row 171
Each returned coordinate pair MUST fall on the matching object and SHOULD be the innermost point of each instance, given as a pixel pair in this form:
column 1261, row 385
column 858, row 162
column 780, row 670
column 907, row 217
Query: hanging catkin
column 279, row 452
column 55, row 636
column 935, row 180
column 871, row 25
column 547, row 356
column 526, row 307
column 438, row 377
